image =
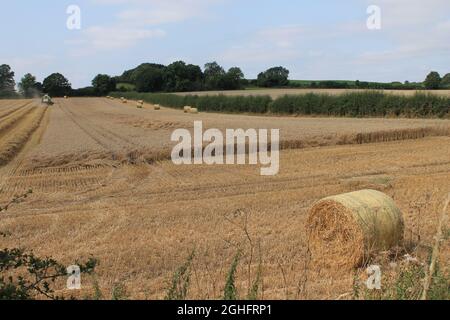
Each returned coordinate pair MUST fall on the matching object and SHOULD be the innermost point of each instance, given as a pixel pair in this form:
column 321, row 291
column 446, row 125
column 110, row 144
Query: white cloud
column 140, row 20
column 415, row 28
column 414, row 37
column 34, row 64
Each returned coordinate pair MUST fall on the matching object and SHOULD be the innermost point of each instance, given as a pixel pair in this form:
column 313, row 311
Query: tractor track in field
column 10, row 121
column 28, row 133
column 6, row 111
column 104, row 137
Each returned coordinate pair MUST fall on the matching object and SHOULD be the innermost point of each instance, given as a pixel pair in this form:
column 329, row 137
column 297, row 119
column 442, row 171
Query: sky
column 315, row 40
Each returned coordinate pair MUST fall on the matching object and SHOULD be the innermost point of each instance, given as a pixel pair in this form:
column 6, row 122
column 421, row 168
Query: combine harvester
column 46, row 99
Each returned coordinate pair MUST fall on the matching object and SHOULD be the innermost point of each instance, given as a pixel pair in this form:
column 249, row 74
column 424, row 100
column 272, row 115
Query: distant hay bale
column 65, row 97
column 187, row 109
column 125, row 101
column 344, row 230
column 193, row 110
column 157, row 107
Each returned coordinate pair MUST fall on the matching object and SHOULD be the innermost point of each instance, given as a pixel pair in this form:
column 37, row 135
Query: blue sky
column 316, row 40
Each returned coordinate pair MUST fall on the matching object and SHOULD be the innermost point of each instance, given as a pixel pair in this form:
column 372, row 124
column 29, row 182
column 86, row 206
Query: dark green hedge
column 358, row 104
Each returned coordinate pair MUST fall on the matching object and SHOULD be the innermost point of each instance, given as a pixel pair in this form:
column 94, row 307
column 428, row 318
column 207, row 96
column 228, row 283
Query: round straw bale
column 193, row 110
column 344, row 230
column 187, row 109
column 157, row 107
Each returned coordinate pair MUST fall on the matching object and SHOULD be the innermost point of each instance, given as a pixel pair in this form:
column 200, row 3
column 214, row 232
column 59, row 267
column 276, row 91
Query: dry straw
column 193, row 110
column 187, row 109
column 344, row 230
column 157, row 107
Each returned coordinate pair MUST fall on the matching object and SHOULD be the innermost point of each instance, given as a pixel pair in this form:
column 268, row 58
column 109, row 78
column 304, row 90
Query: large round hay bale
column 187, row 109
column 345, row 230
column 193, row 110
column 157, row 107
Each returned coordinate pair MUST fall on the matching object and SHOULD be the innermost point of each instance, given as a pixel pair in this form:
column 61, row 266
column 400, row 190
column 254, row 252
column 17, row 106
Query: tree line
column 182, row 77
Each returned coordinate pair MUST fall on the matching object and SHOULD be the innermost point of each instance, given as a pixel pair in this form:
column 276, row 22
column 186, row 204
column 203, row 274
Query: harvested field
column 95, row 192
column 101, row 129
column 276, row 93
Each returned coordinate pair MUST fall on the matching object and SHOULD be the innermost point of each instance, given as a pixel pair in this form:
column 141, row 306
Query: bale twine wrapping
column 344, row 230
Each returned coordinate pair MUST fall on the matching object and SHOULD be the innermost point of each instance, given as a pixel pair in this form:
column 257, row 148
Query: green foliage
column 118, row 292
column 230, row 291
column 445, row 82
column 406, row 285
column 214, row 75
column 181, row 280
column 36, row 276
column 103, row 84
column 28, row 86
column 7, row 82
column 363, row 104
column 440, row 286
column 257, row 283
column 219, row 103
column 233, row 79
column 125, row 87
column 25, row 276
column 149, row 78
column 98, row 295
column 358, row 104
column 433, row 81
column 85, row 92
column 180, row 77
column 56, row 85
column 274, row 77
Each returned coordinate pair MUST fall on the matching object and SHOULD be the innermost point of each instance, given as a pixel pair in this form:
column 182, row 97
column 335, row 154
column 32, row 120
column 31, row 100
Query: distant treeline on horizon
column 182, row 77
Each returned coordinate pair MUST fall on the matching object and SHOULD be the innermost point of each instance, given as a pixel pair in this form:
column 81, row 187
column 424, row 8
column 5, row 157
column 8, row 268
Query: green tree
column 446, row 80
column 433, row 81
column 149, row 79
column 274, row 77
column 28, row 86
column 233, row 79
column 7, row 82
column 103, row 84
column 181, row 77
column 56, row 85
column 214, row 76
